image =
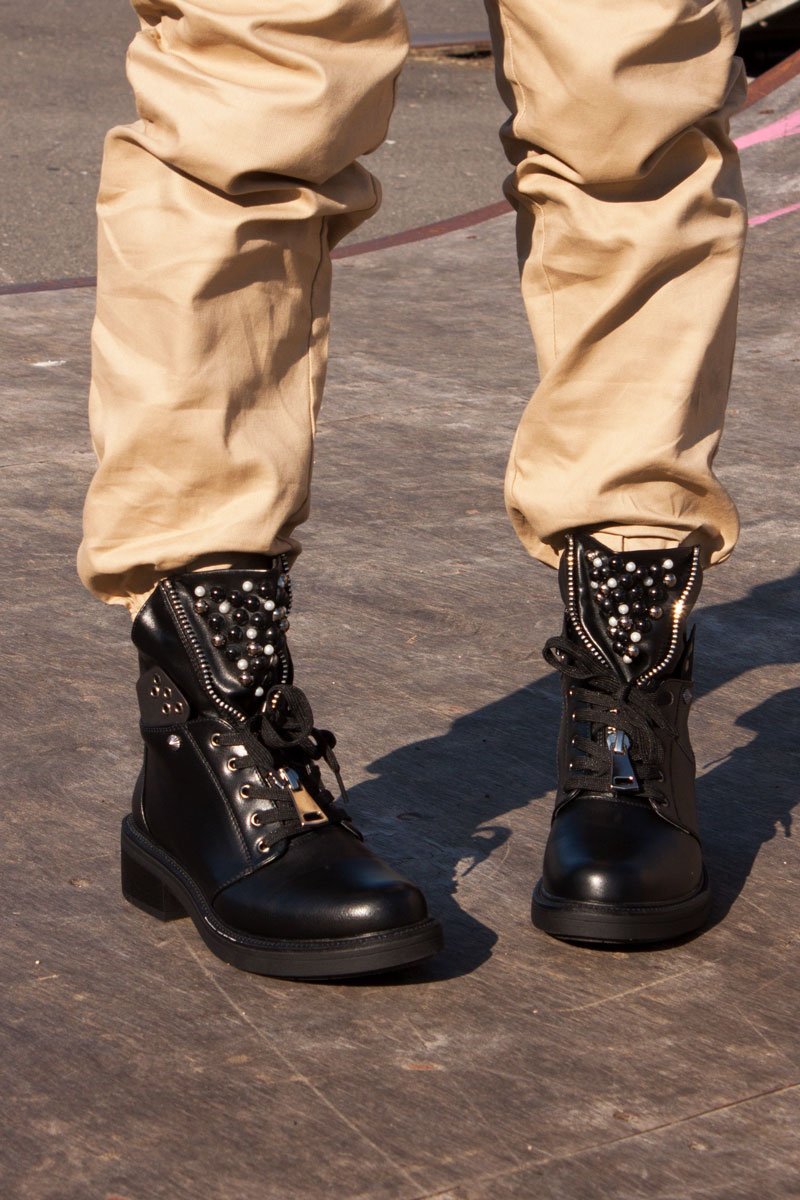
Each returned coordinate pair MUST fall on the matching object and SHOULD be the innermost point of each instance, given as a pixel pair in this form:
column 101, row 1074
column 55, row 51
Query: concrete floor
column 137, row 1067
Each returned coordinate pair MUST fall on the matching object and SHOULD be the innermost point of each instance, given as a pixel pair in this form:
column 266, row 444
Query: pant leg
column 631, row 224
column 217, row 211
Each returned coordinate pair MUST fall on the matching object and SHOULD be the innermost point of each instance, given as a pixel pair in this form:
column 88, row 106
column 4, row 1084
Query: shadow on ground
column 493, row 762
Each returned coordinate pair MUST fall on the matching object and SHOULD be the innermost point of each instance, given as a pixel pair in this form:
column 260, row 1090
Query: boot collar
column 630, row 610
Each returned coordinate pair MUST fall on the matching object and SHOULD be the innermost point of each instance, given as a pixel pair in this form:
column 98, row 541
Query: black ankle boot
column 623, row 861
column 231, row 823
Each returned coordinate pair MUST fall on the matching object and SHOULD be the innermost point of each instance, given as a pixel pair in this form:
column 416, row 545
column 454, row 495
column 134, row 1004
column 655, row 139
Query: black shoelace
column 278, row 740
column 605, row 702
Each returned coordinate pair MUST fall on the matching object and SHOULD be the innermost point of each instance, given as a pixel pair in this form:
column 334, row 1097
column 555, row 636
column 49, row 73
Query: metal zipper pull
column 308, row 810
column 623, row 776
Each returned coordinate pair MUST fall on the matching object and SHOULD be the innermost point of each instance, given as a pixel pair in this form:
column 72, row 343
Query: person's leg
column 218, row 209
column 631, row 224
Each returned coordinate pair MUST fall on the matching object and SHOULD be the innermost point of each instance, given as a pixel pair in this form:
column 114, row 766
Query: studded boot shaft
column 232, row 823
column 232, row 627
column 623, row 860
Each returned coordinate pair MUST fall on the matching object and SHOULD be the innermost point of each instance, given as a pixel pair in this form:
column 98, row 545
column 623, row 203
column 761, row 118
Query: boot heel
column 145, row 890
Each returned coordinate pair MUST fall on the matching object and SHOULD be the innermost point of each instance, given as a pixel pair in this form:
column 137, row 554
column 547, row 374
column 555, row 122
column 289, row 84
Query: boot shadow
column 449, row 798
column 747, row 798
column 454, row 792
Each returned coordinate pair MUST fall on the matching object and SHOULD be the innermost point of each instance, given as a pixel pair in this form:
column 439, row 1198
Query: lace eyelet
column 216, row 738
column 244, row 791
column 256, row 820
column 233, row 764
column 263, row 846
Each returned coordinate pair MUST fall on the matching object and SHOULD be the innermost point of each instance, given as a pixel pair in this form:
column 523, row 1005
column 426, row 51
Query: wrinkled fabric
column 219, row 207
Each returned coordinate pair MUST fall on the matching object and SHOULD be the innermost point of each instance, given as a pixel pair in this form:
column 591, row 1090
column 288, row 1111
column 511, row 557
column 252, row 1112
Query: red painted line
column 770, row 216
column 786, row 127
column 451, row 41
column 758, row 90
column 48, row 285
column 772, row 79
column 422, row 232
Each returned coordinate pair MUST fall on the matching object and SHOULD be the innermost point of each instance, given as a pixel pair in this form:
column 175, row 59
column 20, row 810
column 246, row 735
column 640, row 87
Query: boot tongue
column 236, row 622
column 631, row 608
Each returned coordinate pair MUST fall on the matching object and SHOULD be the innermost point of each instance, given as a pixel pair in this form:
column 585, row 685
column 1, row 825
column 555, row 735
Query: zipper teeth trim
column 677, row 613
column 200, row 658
column 289, row 592
column 572, row 603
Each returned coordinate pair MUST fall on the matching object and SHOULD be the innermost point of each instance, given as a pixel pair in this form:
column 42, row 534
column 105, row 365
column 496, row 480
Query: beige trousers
column 219, row 207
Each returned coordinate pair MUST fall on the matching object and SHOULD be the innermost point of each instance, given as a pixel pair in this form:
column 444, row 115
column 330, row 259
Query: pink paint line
column 785, row 127
column 770, row 216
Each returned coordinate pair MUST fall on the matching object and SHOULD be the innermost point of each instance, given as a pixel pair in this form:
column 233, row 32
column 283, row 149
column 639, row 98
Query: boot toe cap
column 605, row 852
column 331, row 887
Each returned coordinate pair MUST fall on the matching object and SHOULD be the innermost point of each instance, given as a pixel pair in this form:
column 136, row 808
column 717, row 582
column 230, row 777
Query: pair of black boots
column 233, row 826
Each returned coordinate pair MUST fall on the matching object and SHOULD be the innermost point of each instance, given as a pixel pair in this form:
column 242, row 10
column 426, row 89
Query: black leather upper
column 245, row 611
column 635, row 843
column 616, row 852
column 623, row 606
column 213, row 792
column 345, row 891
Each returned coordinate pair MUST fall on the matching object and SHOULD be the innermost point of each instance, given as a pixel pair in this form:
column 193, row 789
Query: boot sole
column 155, row 883
column 609, row 924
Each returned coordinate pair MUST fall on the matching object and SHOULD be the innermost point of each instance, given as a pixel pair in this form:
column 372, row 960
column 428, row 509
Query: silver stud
column 630, row 567
column 613, row 622
column 242, row 664
column 597, row 563
column 251, row 633
column 668, row 564
column 247, row 586
column 225, row 606
column 594, row 585
column 611, row 582
column 269, row 649
column 259, row 692
column 199, row 591
column 655, row 612
column 623, row 609
column 626, row 658
column 670, row 580
column 635, row 636
column 269, row 605
column 648, row 581
column 174, row 742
